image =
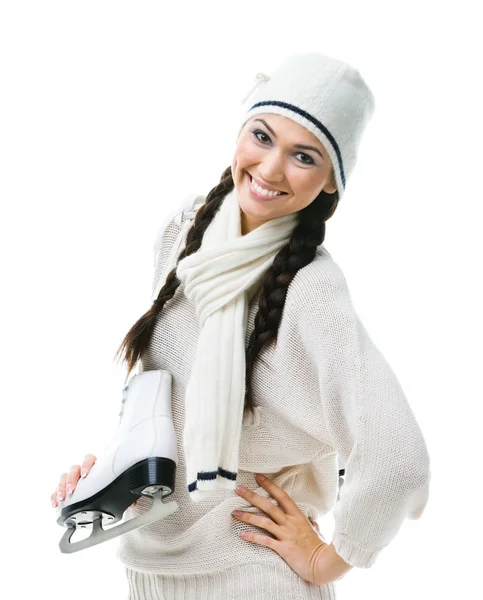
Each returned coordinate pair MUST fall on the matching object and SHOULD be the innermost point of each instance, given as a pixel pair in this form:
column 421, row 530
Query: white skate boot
column 140, row 460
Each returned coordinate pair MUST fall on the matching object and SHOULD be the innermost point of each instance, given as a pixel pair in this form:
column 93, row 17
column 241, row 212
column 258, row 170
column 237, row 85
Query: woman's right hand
column 71, row 479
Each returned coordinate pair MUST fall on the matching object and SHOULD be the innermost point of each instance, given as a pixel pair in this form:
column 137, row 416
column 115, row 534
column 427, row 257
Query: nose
column 272, row 169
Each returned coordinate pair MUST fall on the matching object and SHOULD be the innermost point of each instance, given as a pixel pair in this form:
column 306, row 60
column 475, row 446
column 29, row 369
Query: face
column 267, row 150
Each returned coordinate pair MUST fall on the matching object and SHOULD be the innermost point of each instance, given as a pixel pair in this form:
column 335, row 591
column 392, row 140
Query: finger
column 263, row 540
column 72, row 479
column 59, row 493
column 281, row 496
column 259, row 521
column 264, row 504
column 314, row 524
column 88, row 463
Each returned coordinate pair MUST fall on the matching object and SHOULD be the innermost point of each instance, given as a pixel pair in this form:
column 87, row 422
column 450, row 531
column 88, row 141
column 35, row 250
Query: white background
column 111, row 112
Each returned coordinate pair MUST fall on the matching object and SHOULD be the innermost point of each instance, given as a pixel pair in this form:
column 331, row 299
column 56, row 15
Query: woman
column 273, row 371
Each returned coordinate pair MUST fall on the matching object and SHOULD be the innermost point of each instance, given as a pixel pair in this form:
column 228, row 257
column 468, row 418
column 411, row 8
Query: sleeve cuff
column 353, row 553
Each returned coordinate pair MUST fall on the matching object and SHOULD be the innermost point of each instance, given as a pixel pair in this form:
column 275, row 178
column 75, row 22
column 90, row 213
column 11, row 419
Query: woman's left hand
column 297, row 542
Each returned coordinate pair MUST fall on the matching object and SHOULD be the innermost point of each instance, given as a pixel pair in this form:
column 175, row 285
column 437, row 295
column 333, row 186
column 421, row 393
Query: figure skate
column 140, row 460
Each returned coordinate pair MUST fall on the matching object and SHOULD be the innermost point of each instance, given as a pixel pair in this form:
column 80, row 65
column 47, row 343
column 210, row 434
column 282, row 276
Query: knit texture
column 327, row 96
column 219, row 280
column 267, row 581
column 322, row 389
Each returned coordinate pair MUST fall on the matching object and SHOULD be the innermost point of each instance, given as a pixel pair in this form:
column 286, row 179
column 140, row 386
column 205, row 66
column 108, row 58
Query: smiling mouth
column 268, row 196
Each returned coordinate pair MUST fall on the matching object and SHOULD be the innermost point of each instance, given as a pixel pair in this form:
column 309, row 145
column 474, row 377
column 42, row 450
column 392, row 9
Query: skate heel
column 150, row 475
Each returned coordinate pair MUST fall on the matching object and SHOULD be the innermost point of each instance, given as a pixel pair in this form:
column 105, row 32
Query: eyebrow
column 303, row 146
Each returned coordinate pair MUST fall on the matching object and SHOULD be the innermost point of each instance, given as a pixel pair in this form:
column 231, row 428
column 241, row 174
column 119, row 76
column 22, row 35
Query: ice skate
column 140, row 460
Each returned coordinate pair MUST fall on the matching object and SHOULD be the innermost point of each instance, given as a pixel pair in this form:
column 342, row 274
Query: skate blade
column 158, row 510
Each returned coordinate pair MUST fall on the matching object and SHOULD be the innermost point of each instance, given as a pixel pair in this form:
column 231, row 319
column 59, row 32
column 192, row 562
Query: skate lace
column 124, row 396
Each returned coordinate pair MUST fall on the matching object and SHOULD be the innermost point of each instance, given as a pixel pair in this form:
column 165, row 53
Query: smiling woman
column 254, row 317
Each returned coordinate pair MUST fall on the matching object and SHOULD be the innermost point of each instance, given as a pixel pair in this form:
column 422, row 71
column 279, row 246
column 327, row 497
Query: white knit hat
column 325, row 95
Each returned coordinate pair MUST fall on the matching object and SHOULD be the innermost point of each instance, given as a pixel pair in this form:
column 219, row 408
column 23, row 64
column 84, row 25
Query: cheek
column 305, row 186
column 247, row 154
column 243, row 159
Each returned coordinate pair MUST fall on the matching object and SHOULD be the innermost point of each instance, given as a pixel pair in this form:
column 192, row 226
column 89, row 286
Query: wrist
column 330, row 566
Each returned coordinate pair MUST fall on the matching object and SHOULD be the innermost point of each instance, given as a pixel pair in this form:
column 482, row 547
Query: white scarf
column 220, row 279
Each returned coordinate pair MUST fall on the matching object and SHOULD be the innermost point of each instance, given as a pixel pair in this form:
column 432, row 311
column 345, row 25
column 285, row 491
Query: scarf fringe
column 207, row 481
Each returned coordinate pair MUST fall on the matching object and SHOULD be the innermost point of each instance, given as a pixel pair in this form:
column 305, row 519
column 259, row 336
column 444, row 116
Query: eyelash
column 256, row 131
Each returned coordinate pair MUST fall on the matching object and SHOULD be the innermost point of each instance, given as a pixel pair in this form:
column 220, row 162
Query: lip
column 261, row 196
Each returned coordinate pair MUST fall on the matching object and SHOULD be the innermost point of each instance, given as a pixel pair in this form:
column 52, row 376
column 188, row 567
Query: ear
column 329, row 188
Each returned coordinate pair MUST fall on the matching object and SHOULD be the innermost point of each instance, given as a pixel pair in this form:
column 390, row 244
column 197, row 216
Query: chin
column 250, row 207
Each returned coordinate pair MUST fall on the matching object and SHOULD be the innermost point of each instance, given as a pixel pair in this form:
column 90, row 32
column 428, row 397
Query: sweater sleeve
column 369, row 421
column 165, row 239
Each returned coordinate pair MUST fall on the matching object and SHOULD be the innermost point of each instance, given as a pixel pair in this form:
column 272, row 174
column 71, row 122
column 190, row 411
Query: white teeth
column 264, row 191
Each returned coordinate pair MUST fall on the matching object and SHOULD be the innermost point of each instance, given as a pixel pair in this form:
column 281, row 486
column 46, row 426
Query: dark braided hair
column 296, row 254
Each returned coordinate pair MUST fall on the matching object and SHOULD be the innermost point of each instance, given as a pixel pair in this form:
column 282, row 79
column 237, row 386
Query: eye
column 259, row 131
column 309, row 157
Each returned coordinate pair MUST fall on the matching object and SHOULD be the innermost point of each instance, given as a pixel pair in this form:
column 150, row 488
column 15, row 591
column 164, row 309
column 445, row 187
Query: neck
column 247, row 224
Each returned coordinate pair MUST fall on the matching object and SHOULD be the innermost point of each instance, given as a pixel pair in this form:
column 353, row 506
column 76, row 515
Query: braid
column 296, row 254
column 137, row 338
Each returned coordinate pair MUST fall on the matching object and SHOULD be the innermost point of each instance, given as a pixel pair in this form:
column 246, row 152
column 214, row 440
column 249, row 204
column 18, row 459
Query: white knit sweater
column 323, row 389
